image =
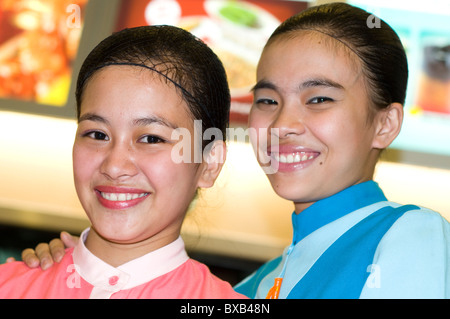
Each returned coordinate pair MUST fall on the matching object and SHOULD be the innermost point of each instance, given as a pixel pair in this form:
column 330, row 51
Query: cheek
column 174, row 185
column 256, row 120
column 347, row 141
column 162, row 172
column 156, row 172
column 338, row 131
column 258, row 129
column 84, row 165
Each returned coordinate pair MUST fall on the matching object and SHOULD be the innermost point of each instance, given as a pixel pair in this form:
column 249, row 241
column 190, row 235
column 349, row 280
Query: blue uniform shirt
column 356, row 244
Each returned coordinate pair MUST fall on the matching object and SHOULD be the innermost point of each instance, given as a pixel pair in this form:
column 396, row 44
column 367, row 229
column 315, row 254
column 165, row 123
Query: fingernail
column 57, row 257
column 45, row 264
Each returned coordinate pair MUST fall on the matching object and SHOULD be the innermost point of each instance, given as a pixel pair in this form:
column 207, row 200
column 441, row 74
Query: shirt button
column 113, row 280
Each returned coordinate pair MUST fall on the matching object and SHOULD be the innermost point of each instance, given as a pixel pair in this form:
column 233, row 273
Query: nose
column 119, row 162
column 288, row 121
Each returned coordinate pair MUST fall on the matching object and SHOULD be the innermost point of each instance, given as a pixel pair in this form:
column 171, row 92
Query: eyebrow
column 321, row 82
column 145, row 121
column 264, row 84
column 92, row 117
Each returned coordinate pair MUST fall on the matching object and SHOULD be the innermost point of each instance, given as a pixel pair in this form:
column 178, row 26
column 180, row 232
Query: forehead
column 129, row 81
column 308, row 54
column 128, row 90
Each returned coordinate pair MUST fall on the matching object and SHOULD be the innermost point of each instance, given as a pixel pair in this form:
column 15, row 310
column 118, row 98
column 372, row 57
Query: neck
column 334, row 207
column 301, row 206
column 116, row 254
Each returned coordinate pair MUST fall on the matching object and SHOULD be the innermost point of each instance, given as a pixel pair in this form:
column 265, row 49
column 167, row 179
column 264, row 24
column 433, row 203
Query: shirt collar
column 108, row 279
column 334, row 207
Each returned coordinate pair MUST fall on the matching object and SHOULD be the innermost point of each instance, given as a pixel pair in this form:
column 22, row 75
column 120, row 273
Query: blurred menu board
column 424, row 29
column 235, row 30
column 38, row 43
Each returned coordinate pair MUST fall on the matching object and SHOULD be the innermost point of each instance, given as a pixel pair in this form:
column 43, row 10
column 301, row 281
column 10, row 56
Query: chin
column 116, row 232
column 297, row 192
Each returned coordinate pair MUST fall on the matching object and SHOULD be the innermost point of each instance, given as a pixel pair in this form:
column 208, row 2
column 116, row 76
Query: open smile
column 288, row 158
column 293, row 157
column 120, row 198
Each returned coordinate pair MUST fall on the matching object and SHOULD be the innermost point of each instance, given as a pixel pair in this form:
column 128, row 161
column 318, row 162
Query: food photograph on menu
column 38, row 44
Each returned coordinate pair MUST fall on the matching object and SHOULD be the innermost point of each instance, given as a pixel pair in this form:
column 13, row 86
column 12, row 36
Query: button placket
column 113, row 280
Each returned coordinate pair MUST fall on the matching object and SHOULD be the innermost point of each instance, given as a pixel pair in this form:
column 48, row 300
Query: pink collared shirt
column 165, row 273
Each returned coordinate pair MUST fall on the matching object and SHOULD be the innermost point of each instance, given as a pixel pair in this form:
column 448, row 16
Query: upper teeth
column 120, row 197
column 293, row 158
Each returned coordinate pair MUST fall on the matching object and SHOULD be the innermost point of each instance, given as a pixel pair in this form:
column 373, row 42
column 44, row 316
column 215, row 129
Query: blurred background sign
column 38, row 44
column 235, row 30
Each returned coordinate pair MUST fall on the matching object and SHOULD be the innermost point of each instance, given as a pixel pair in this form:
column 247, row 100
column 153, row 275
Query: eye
column 97, row 135
column 151, row 139
column 319, row 100
column 266, row 104
column 265, row 101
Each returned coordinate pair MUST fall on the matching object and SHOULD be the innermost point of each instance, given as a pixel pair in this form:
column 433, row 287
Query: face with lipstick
column 131, row 99
column 128, row 184
column 312, row 98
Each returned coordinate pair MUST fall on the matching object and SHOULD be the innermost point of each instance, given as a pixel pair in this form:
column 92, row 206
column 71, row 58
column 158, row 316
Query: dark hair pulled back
column 175, row 54
column 377, row 45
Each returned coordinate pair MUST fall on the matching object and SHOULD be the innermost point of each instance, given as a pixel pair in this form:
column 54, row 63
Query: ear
column 213, row 160
column 388, row 125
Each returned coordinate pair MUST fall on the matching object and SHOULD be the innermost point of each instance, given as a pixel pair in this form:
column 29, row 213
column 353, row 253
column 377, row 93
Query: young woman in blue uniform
column 331, row 88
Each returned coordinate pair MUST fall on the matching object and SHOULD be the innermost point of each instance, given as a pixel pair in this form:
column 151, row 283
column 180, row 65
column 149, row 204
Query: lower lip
column 119, row 204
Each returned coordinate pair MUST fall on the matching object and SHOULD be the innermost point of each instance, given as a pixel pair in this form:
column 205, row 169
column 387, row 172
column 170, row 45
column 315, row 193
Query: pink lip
column 285, row 150
column 119, row 190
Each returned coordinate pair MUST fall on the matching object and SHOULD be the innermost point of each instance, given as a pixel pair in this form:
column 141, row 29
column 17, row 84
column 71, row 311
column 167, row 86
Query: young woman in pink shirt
column 137, row 91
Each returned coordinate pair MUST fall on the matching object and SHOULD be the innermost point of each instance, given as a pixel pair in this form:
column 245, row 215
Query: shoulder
column 412, row 257
column 18, row 269
column 422, row 224
column 418, row 232
column 261, row 279
column 208, row 284
column 192, row 280
column 13, row 277
column 14, row 269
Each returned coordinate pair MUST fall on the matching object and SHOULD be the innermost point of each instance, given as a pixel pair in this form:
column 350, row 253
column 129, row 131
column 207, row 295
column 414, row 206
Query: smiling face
column 311, row 96
column 125, row 178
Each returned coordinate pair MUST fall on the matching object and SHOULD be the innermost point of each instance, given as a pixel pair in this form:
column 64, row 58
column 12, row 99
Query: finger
column 30, row 259
column 10, row 259
column 43, row 253
column 56, row 249
column 69, row 240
